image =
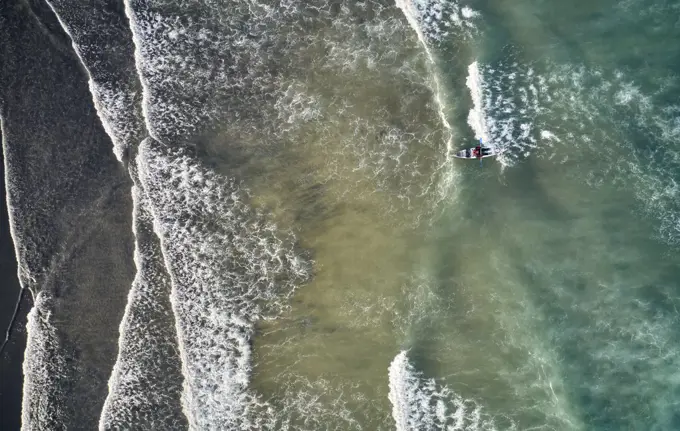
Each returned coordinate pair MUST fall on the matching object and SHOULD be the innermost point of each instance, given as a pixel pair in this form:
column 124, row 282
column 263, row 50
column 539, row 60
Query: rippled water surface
column 247, row 215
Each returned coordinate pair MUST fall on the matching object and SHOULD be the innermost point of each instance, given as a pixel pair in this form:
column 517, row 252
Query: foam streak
column 411, row 14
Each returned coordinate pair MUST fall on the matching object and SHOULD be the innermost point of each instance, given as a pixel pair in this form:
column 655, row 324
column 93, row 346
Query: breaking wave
column 228, row 268
column 45, row 369
column 145, row 387
column 572, row 113
column 114, row 86
column 419, row 403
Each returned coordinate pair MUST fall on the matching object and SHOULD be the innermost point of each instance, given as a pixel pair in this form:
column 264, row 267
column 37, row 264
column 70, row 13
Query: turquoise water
column 574, row 236
column 545, row 289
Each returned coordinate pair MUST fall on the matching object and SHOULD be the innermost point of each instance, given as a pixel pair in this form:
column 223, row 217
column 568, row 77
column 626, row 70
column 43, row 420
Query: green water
column 541, row 286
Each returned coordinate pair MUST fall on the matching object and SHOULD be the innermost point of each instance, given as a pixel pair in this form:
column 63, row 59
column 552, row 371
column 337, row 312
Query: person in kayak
column 480, row 151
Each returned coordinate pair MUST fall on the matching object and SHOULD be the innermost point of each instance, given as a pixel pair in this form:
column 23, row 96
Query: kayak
column 468, row 153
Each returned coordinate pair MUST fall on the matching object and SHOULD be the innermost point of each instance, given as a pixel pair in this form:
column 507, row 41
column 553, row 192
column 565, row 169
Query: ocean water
column 246, row 215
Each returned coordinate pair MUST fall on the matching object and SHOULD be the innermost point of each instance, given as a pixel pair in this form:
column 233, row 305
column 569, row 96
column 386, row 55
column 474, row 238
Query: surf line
column 407, row 9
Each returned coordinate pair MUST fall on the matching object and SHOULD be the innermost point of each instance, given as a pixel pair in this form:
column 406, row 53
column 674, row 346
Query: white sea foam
column 547, row 134
column 297, row 106
column 414, row 17
column 254, row 106
column 437, row 20
column 225, row 262
column 611, row 109
column 477, row 117
column 322, row 404
column 137, row 31
column 544, row 114
column 228, row 269
column 24, row 273
column 143, row 388
column 425, row 18
column 145, row 385
column 201, row 66
column 44, row 367
column 116, row 110
column 114, row 99
column 510, row 109
column 392, row 147
column 419, row 403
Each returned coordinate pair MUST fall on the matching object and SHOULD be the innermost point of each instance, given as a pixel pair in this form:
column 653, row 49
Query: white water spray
column 477, row 118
